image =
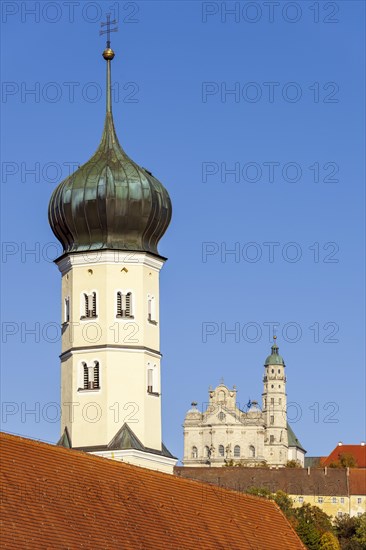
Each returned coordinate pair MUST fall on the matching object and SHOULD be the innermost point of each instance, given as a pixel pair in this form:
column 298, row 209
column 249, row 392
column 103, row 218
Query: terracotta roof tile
column 357, row 451
column 56, row 498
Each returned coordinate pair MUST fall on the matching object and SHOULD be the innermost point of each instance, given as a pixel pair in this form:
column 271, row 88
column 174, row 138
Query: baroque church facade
column 224, row 434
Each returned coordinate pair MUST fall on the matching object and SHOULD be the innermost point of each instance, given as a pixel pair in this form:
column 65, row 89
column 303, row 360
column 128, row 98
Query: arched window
column 119, row 304
column 151, row 315
column 221, row 450
column 124, row 304
column 96, row 376
column 67, row 310
column 221, row 395
column 237, row 450
column 194, row 452
column 207, row 451
column 150, row 380
column 221, row 416
column 90, row 305
column 85, row 376
column 252, row 451
column 128, row 304
column 91, row 378
column 271, row 438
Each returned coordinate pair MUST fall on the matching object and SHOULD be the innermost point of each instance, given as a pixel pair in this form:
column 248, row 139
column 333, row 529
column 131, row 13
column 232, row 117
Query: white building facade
column 224, row 434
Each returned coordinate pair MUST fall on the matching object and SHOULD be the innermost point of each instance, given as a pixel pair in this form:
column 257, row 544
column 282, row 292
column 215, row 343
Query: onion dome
column 275, row 358
column 110, row 202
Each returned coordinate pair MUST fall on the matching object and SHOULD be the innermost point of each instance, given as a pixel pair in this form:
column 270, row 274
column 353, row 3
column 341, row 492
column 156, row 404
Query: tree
column 315, row 516
column 329, row 541
column 361, row 530
column 293, row 464
column 345, row 526
column 345, row 460
column 308, row 533
column 260, row 492
column 351, row 532
column 284, row 502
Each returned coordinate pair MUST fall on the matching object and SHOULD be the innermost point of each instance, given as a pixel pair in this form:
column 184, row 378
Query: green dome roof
column 275, row 358
column 110, row 202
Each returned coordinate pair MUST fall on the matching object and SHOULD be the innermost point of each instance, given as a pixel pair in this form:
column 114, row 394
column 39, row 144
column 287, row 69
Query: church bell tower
column 109, row 216
column 274, row 407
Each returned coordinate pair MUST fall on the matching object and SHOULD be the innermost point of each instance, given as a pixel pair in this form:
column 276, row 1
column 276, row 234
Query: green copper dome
column 110, row 202
column 275, row 358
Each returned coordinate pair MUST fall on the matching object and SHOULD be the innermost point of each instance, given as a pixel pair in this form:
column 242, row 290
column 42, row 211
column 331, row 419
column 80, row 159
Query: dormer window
column 90, row 305
column 124, row 305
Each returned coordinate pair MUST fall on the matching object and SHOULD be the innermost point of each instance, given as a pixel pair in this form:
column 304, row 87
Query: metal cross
column 108, row 29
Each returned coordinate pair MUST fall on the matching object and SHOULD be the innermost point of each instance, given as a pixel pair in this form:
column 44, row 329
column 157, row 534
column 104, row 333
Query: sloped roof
column 357, row 481
column 292, row 439
column 60, row 498
column 357, row 451
column 293, row 481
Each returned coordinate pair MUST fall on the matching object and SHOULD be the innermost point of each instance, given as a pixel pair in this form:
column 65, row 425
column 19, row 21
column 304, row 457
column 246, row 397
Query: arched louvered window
column 124, row 305
column 96, row 376
column 252, row 451
column 194, row 452
column 90, row 305
column 119, row 304
column 221, row 450
column 237, row 451
column 128, row 304
column 85, row 376
column 91, row 376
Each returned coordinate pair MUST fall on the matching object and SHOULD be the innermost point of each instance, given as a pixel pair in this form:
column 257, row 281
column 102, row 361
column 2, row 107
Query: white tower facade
column 274, row 406
column 109, row 216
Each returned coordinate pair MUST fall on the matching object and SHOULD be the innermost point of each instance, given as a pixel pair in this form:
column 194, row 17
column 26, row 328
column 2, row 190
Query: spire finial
column 108, row 55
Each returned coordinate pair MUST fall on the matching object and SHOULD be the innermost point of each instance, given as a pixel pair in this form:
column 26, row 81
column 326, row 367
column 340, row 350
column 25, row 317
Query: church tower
column 274, row 407
column 109, row 216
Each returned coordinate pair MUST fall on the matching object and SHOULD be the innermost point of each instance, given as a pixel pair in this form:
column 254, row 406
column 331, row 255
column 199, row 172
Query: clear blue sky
column 294, row 132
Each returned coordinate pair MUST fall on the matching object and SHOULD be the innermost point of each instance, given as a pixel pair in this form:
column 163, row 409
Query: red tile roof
column 357, row 481
column 60, row 498
column 357, row 451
